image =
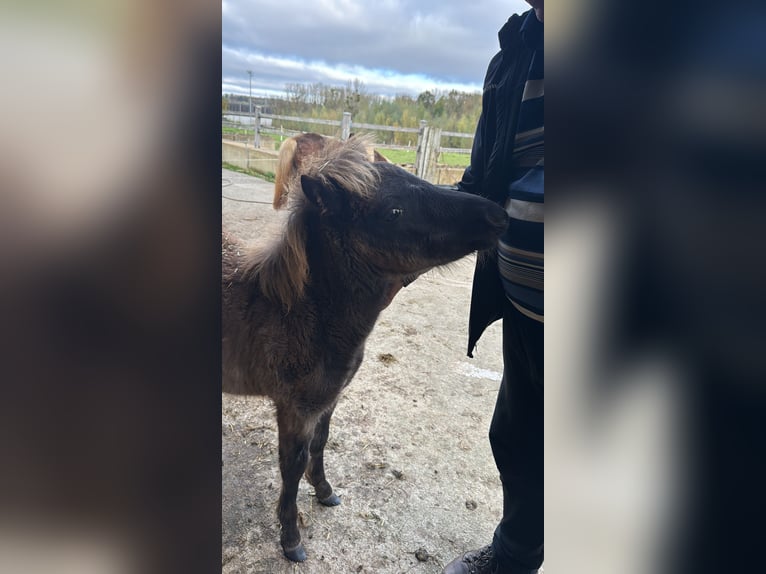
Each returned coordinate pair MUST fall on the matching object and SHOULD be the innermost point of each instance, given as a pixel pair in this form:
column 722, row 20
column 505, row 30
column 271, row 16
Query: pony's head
column 385, row 221
column 397, row 223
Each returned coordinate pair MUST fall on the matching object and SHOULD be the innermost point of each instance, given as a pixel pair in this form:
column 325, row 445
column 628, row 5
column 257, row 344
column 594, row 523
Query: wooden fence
column 427, row 149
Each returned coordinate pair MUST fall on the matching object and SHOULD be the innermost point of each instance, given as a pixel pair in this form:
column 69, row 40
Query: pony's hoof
column 297, row 554
column 332, row 500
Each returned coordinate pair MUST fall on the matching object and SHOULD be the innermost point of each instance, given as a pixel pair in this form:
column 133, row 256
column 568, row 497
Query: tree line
column 449, row 110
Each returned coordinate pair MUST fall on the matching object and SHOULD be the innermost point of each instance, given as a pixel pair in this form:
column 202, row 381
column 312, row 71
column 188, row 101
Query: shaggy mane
column 280, row 268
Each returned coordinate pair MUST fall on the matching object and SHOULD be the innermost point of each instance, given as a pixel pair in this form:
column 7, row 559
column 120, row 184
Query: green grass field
column 231, row 130
column 267, row 175
column 455, row 159
column 405, row 156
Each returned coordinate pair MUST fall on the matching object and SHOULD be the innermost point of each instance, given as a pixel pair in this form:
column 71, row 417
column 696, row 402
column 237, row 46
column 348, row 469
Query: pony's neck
column 340, row 272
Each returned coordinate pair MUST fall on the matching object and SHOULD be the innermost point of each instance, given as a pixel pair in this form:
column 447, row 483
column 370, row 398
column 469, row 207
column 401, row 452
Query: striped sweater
column 520, row 250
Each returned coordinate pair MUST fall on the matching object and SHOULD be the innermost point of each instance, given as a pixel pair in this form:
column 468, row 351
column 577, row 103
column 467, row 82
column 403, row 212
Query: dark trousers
column 516, row 436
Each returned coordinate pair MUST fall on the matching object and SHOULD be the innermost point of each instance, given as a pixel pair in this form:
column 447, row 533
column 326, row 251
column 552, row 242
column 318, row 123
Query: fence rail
column 385, row 128
column 454, row 149
column 427, row 149
column 280, row 131
column 457, row 134
column 305, row 120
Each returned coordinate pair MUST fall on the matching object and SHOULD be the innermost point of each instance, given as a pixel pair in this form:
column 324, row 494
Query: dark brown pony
column 297, row 309
column 296, row 152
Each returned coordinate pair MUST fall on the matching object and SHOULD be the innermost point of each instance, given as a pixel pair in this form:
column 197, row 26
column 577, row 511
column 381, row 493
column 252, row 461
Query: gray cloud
column 393, row 46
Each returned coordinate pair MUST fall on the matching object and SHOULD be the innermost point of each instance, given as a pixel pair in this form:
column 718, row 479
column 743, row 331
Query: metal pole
column 257, row 140
column 250, row 73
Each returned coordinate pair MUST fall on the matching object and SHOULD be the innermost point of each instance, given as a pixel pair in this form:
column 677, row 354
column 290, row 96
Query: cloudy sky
column 392, row 46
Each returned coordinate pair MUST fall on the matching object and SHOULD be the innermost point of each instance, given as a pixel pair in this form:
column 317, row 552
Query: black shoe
column 481, row 561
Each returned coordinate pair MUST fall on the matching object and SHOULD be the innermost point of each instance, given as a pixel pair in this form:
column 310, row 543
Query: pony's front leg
column 293, row 456
column 315, row 471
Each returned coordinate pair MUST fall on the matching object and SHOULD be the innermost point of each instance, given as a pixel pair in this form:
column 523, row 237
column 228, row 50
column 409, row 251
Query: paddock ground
column 408, row 450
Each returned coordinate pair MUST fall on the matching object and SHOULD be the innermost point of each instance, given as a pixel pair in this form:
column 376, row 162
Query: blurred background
column 109, row 321
column 109, row 329
column 655, row 136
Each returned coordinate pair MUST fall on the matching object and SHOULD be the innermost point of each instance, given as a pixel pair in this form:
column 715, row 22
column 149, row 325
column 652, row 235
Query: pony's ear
column 326, row 198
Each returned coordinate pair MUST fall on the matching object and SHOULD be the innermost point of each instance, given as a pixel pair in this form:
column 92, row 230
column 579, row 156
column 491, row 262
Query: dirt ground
column 408, row 452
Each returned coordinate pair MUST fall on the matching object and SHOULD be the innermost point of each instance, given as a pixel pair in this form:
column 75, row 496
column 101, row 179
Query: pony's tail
column 284, row 170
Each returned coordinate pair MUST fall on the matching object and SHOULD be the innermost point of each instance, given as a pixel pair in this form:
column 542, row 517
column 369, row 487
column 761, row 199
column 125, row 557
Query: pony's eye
column 392, row 213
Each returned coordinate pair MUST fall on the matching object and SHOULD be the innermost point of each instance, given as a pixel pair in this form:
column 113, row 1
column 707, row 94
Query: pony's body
column 298, row 310
column 314, row 342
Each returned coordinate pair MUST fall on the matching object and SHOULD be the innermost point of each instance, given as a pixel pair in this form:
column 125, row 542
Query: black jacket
column 490, row 170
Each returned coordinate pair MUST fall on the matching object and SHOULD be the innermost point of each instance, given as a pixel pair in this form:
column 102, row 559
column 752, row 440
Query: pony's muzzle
column 497, row 218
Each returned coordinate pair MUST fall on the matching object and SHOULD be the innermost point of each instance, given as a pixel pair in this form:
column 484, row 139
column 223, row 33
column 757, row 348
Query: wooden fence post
column 419, row 148
column 257, row 131
column 429, row 141
column 345, row 126
column 421, row 130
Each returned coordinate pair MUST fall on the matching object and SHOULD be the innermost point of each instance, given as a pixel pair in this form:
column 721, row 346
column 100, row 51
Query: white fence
column 427, row 149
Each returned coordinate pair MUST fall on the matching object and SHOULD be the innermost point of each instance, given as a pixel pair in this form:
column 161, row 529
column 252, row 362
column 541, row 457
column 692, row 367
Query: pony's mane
column 280, row 267
column 342, row 163
column 284, row 169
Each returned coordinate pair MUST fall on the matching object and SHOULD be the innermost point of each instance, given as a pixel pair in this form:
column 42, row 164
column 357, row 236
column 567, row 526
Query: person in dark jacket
column 507, row 166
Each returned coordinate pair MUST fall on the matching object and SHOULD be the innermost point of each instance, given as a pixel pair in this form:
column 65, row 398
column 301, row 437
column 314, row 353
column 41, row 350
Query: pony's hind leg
column 315, row 470
column 293, row 457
